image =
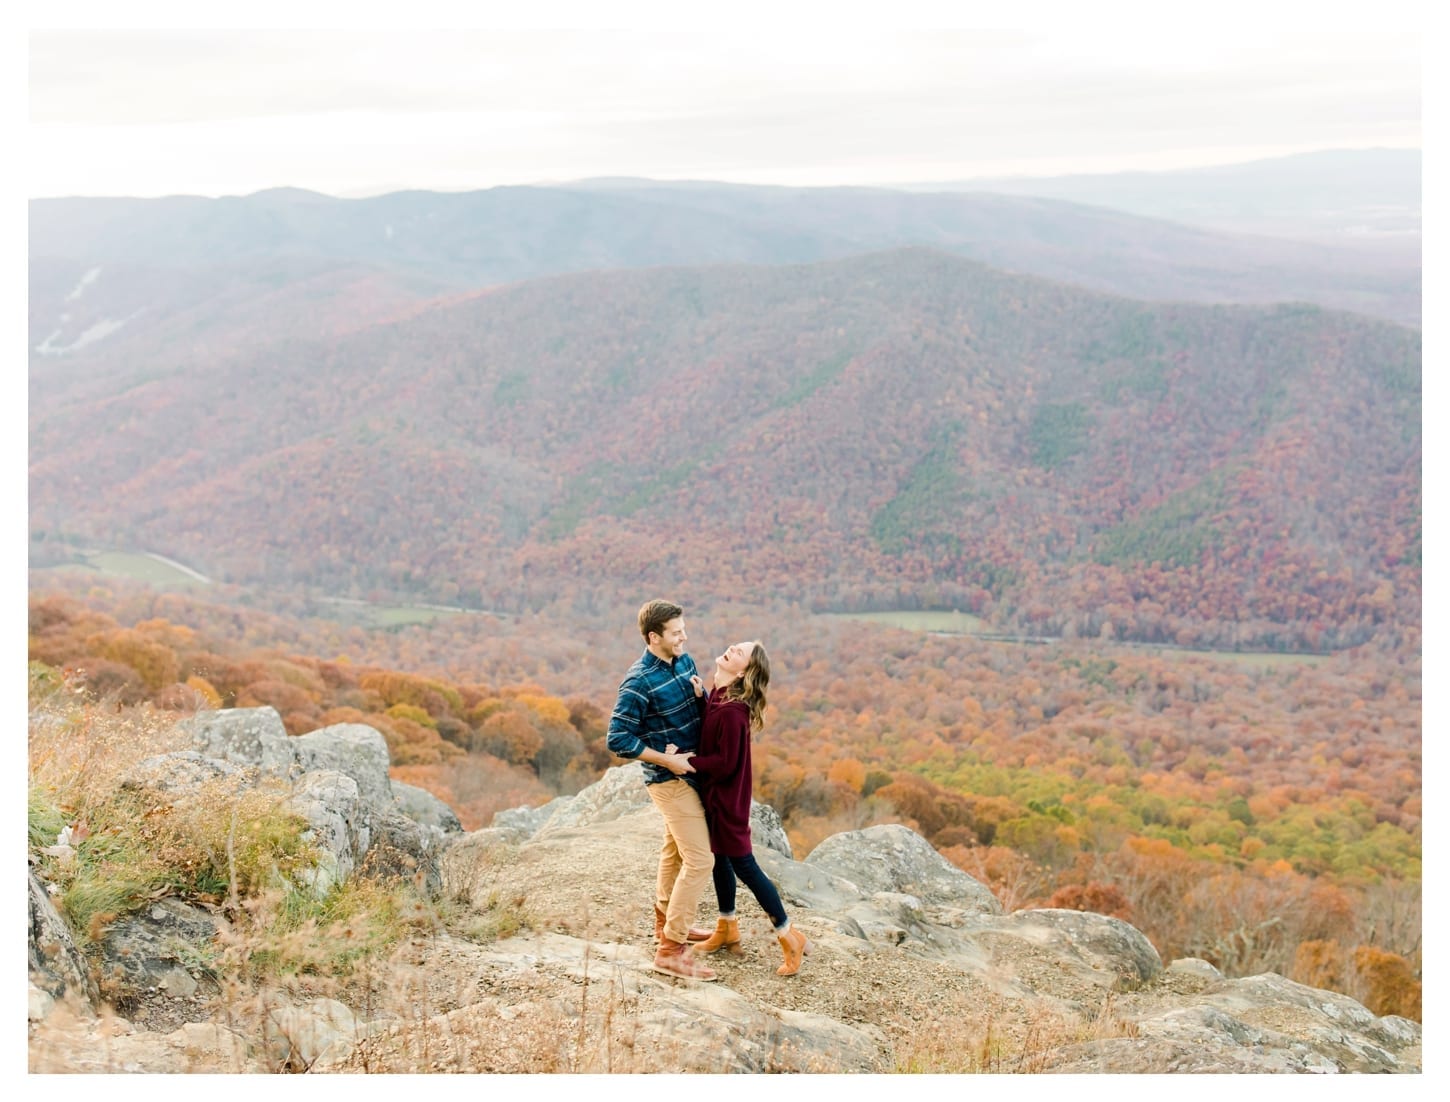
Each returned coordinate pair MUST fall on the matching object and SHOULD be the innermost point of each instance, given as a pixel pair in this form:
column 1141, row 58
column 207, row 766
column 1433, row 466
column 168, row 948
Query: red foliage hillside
column 898, row 430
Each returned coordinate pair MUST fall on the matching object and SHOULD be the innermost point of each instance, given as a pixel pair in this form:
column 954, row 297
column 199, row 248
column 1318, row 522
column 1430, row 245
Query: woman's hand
column 698, row 684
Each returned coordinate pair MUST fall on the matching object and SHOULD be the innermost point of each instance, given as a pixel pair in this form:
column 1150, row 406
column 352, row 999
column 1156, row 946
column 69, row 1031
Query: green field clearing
column 954, row 623
column 129, row 564
column 962, row 623
column 392, row 616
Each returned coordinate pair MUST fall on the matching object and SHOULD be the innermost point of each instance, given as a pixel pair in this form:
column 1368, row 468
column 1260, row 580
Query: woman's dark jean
column 754, row 878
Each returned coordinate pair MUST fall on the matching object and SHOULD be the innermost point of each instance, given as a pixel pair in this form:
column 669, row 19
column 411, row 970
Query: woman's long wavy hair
column 750, row 686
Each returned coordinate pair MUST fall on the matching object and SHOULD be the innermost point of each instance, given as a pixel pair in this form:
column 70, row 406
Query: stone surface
column 524, row 822
column 426, row 809
column 620, row 791
column 354, row 749
column 165, row 947
column 1104, row 949
column 893, row 858
column 337, row 823
column 245, row 736
column 57, row 968
column 297, row 1037
column 180, row 772
column 767, row 831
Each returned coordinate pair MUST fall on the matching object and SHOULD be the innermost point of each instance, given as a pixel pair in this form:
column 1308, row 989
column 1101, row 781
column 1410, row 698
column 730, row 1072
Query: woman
column 732, row 710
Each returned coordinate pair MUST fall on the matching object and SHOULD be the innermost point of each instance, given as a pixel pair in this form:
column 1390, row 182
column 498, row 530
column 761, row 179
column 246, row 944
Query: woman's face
column 736, row 657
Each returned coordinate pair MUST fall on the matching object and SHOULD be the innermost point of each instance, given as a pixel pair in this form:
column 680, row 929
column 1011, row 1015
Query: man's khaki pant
column 686, row 862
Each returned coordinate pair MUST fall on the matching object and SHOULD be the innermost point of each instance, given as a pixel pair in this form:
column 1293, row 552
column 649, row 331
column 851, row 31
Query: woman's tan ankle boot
column 795, row 945
column 726, row 936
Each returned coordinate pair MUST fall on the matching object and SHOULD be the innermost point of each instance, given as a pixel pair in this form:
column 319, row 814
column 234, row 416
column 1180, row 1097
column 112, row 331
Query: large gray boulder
column 894, row 858
column 524, row 822
column 181, row 772
column 1105, row 951
column 620, row 791
column 426, row 809
column 355, row 749
column 245, row 736
column 1252, row 1025
column 403, row 849
column 767, row 831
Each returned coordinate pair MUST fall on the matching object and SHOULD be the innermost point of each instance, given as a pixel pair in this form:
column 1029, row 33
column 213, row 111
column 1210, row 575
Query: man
column 656, row 707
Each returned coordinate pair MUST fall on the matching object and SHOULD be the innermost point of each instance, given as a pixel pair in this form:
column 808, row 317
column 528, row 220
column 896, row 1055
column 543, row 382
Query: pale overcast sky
column 352, row 112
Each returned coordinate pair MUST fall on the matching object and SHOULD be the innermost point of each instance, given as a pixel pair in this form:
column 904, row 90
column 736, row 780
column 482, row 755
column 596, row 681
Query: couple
column 695, row 746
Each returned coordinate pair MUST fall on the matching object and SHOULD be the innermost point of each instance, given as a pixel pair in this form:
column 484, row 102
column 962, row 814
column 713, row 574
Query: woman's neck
column 726, row 682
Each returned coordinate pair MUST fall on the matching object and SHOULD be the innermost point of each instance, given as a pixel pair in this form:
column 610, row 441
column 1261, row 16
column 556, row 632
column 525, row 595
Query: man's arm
column 625, row 724
column 627, row 721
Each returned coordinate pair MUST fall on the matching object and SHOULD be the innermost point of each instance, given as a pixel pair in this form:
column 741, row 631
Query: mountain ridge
column 544, row 421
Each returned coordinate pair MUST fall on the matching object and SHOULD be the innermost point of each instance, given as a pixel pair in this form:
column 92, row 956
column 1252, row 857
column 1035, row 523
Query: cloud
column 231, row 111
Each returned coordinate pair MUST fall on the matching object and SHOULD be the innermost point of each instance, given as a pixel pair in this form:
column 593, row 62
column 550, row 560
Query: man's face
column 671, row 643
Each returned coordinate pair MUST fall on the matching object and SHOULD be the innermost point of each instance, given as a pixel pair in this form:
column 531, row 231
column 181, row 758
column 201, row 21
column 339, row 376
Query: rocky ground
column 913, row 968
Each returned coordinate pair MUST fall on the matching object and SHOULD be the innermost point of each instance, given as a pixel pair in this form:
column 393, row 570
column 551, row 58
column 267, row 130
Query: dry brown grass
column 963, row 1040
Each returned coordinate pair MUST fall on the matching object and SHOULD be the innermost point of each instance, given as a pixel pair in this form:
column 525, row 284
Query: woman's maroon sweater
column 723, row 766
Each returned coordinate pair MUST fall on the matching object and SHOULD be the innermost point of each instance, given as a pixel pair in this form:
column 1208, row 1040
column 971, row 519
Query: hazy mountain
column 1361, row 197
column 904, row 427
column 127, row 277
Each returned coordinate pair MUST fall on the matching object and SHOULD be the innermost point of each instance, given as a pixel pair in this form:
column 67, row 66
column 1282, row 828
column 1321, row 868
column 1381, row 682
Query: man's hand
column 677, row 763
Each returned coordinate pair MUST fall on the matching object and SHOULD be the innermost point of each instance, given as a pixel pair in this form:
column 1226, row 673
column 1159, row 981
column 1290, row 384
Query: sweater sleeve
column 722, row 746
column 626, row 723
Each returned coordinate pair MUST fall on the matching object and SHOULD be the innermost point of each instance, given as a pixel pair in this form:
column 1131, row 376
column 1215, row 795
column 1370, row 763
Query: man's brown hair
column 654, row 615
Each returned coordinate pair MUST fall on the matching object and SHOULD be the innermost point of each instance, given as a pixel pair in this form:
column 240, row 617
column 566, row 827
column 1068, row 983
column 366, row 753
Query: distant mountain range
column 1361, row 197
column 134, row 278
column 902, row 428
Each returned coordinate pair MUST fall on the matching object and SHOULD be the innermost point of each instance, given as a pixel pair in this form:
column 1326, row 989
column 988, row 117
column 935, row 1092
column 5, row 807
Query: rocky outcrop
column 893, row 858
column 338, row 825
column 767, row 831
column 180, row 772
column 244, row 736
column 352, row 749
column 913, row 967
column 425, row 809
column 57, row 969
column 875, row 900
column 1099, row 948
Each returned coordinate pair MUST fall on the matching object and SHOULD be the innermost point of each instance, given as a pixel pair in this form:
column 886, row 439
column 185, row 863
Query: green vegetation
column 128, row 564
column 1057, row 433
column 658, row 483
column 1177, row 532
column 926, row 510
column 806, row 385
column 511, row 389
column 1143, row 379
column 1136, row 338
